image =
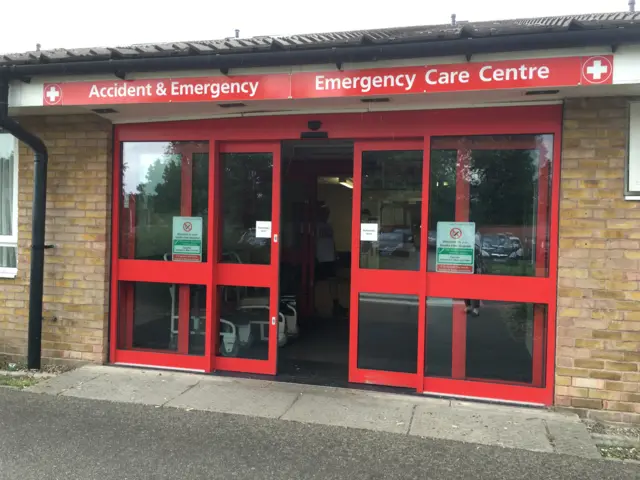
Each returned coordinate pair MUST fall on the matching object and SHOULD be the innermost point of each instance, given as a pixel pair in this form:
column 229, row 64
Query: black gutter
column 36, row 280
column 362, row 53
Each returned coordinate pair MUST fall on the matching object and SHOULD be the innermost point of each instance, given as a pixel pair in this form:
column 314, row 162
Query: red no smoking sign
column 187, row 227
column 455, row 233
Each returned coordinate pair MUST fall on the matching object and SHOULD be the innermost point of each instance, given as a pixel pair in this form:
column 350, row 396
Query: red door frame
column 130, row 270
column 537, row 120
column 266, row 276
column 538, row 290
column 364, row 280
column 459, row 319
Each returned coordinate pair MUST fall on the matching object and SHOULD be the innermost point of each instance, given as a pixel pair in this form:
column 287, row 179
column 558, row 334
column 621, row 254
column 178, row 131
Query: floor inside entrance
column 319, row 356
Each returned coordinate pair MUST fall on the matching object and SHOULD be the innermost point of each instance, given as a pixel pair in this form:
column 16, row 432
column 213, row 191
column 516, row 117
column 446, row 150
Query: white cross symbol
column 597, row 69
column 52, row 94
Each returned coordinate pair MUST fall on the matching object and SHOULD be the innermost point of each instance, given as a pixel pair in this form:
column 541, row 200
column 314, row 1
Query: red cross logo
column 455, row 233
column 597, row 70
column 187, row 227
column 52, row 95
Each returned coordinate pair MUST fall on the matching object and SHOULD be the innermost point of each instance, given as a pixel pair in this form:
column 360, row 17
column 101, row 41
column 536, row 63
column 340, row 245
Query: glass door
column 386, row 263
column 160, row 263
column 249, row 323
column 491, row 285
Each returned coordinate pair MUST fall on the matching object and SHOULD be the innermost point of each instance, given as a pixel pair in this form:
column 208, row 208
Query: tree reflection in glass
column 503, row 185
column 392, row 199
column 152, row 194
column 247, row 184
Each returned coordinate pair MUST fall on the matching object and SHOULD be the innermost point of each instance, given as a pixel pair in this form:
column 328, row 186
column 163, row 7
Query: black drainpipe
column 36, row 279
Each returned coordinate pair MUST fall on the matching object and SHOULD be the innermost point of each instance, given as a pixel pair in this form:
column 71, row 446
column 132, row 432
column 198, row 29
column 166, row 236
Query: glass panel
column 498, row 338
column 8, row 257
column 149, row 317
column 391, row 210
column 246, row 205
column 153, row 192
column 388, row 332
column 244, row 322
column 197, row 318
column 502, row 186
column 200, row 195
column 7, row 187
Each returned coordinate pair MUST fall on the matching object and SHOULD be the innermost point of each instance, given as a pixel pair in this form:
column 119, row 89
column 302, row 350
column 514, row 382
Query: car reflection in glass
column 502, row 248
column 248, row 238
column 432, row 238
column 398, row 243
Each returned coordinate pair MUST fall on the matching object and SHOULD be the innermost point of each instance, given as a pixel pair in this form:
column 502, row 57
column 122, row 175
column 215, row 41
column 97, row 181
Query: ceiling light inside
column 347, row 183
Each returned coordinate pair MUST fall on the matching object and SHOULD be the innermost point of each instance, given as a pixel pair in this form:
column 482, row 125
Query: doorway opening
column 315, row 259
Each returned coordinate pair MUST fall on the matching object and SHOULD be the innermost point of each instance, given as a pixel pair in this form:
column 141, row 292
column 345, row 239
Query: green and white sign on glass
column 187, row 239
column 455, row 251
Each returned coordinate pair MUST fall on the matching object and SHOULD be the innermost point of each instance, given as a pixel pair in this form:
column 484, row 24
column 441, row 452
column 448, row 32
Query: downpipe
column 36, row 279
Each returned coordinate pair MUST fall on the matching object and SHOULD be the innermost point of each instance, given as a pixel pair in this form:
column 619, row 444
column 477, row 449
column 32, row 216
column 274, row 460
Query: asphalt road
column 46, row 437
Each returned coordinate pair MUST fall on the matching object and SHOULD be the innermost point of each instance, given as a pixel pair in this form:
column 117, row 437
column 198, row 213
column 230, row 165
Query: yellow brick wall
column 598, row 341
column 78, row 224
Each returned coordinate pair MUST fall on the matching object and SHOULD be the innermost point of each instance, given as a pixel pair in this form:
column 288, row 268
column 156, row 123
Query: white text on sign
column 175, row 89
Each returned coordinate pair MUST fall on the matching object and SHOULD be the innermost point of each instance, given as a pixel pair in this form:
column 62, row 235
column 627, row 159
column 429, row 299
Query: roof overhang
column 468, row 39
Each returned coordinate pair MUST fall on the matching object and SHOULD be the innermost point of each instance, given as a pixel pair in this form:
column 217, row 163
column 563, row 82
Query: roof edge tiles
column 462, row 31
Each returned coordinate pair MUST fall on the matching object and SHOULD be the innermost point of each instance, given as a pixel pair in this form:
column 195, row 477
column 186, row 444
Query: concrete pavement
column 62, row 437
column 416, row 416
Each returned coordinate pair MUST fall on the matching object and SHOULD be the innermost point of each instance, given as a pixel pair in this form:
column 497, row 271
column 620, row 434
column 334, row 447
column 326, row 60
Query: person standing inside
column 326, row 268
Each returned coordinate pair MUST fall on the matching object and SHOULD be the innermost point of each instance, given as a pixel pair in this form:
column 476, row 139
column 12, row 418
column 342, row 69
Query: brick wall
column 598, row 343
column 78, row 224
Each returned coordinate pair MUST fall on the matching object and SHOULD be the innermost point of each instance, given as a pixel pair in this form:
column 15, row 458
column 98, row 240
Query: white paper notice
column 369, row 232
column 263, row 229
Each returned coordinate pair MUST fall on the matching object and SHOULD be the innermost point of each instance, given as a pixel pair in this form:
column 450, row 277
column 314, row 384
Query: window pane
column 149, row 317
column 8, row 257
column 200, row 195
column 244, row 322
column 501, row 187
column 391, row 209
column 388, row 332
column 498, row 339
column 246, row 204
column 7, row 187
column 154, row 192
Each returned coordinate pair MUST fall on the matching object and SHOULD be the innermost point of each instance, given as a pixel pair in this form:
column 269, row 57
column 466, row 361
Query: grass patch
column 17, row 381
column 53, row 369
column 620, row 453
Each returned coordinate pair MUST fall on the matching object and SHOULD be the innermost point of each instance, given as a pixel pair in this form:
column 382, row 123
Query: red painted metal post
column 184, row 295
column 459, row 328
column 424, row 263
column 541, row 252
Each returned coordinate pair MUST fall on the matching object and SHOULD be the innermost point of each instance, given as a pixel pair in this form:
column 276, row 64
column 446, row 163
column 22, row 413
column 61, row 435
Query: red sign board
column 457, row 77
column 198, row 89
